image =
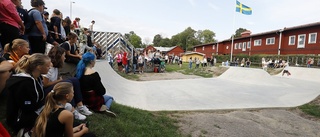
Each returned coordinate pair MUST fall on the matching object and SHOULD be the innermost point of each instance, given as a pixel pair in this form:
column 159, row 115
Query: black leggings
column 8, row 33
column 37, row 45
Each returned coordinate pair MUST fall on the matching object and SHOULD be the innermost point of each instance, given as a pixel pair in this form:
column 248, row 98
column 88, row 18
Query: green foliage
column 238, row 32
column 311, row 109
column 134, row 39
column 156, row 40
column 165, row 43
column 205, row 36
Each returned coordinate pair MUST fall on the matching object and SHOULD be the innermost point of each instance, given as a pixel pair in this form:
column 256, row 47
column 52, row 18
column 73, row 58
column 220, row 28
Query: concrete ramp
column 250, row 76
column 308, row 74
column 207, row 93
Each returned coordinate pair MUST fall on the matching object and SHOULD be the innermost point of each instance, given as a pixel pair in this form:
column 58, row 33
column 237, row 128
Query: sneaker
column 103, row 108
column 110, row 113
column 84, row 110
column 24, row 133
column 78, row 115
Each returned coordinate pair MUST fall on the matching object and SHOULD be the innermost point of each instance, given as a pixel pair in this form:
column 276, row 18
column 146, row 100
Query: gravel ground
column 289, row 122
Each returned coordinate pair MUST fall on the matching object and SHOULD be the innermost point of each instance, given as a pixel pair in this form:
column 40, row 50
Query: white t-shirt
column 140, row 59
column 52, row 74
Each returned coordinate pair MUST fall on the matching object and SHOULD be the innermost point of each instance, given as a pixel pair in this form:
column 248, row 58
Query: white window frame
column 202, row 48
column 248, row 44
column 240, row 46
column 257, row 42
column 195, row 49
column 270, row 41
column 294, row 40
column 236, row 46
column 244, row 46
column 315, row 38
column 213, row 46
column 227, row 47
column 302, row 45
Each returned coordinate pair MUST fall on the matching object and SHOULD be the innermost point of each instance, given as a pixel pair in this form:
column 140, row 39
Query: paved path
column 237, row 88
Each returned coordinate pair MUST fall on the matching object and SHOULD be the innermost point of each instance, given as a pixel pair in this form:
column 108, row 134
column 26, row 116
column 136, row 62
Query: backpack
column 30, row 24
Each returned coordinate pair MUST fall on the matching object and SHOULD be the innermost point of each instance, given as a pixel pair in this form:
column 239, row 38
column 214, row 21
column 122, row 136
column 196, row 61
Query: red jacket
column 124, row 59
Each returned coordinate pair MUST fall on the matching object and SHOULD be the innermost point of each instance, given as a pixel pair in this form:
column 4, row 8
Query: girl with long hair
column 14, row 50
column 57, row 56
column 92, row 89
column 25, row 91
column 54, row 120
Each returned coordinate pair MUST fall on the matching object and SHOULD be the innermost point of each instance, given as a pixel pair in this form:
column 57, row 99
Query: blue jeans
column 76, row 88
column 134, row 68
column 108, row 101
column 190, row 65
column 111, row 64
column 126, row 67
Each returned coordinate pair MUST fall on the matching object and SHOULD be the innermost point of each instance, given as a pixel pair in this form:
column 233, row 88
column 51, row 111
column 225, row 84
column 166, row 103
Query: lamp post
column 71, row 9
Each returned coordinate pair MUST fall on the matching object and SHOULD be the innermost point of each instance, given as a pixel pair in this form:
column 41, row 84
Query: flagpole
column 232, row 38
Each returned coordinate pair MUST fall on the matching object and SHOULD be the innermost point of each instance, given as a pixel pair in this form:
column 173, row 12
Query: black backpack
column 30, row 24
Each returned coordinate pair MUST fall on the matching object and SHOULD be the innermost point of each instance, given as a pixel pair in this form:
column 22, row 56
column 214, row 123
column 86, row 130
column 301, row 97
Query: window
column 301, row 41
column 292, row 40
column 244, row 46
column 257, row 42
column 212, row 46
column 312, row 38
column 227, row 47
column 202, row 47
column 195, row 49
column 236, row 46
column 240, row 46
column 248, row 44
column 270, row 41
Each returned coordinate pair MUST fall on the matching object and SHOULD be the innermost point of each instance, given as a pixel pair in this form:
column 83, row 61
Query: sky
column 148, row 18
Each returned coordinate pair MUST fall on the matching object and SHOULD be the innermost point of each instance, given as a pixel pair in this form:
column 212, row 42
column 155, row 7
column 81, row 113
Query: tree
column 208, row 36
column 135, row 40
column 238, row 32
column 165, row 43
column 156, row 40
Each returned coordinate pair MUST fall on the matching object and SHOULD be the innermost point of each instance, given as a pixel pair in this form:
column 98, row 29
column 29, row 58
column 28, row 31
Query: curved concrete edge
column 208, row 93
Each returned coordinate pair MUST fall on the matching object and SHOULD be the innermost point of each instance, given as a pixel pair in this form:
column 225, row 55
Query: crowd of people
column 39, row 101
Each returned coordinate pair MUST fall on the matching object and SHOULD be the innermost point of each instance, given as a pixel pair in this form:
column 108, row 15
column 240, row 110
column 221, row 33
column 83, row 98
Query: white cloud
column 213, row 6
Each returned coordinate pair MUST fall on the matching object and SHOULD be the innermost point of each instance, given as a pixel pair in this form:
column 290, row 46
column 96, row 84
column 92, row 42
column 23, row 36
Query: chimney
column 246, row 33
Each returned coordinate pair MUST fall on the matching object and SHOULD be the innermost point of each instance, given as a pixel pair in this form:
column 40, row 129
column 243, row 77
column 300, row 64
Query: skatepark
column 237, row 88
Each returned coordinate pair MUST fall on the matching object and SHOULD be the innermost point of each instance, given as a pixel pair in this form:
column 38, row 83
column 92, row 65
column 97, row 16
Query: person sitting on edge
column 25, row 92
column 92, row 89
column 54, row 120
column 72, row 55
column 57, row 56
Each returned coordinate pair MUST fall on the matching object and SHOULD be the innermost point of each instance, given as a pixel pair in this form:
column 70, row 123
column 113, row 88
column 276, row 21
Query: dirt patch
column 216, row 71
column 289, row 122
column 165, row 76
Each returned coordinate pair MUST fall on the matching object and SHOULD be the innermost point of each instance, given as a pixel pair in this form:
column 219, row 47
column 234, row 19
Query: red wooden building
column 176, row 50
column 302, row 39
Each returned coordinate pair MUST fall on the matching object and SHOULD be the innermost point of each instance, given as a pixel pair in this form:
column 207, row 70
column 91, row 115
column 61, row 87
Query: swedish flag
column 243, row 9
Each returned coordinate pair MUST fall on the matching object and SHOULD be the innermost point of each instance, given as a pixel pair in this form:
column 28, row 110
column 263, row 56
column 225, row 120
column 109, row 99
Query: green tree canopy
column 239, row 31
column 134, row 39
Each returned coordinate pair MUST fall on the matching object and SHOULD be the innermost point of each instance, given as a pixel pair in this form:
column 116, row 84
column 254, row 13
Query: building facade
column 302, row 39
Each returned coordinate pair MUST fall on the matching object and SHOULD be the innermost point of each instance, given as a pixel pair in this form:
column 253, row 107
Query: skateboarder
column 286, row 69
